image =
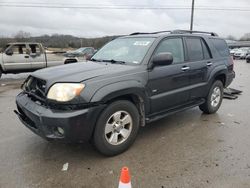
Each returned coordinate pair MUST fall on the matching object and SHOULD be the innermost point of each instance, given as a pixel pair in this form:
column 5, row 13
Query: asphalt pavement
column 187, row 149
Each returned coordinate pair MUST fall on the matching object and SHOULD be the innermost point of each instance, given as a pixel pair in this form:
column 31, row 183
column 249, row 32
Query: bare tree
column 245, row 37
column 22, row 35
column 231, row 37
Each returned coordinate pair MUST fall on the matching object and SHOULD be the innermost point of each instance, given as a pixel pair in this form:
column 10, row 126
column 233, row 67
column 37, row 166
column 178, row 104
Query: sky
column 106, row 22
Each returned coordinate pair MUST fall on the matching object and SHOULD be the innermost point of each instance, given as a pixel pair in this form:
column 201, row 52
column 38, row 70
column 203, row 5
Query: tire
column 213, row 99
column 109, row 127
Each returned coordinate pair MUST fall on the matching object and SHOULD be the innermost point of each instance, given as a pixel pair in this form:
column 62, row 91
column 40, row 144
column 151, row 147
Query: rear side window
column 194, row 47
column 34, row 49
column 221, row 47
column 205, row 50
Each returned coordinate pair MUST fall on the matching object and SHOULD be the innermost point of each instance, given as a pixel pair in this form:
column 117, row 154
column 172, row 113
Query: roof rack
column 193, row 32
column 176, row 32
column 139, row 33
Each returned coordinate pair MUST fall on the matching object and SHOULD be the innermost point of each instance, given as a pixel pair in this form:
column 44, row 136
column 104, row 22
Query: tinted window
column 205, row 50
column 194, row 47
column 174, row 46
column 34, row 48
column 221, row 46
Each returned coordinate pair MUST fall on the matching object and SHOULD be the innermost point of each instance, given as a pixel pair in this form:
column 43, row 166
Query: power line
column 109, row 5
column 117, row 7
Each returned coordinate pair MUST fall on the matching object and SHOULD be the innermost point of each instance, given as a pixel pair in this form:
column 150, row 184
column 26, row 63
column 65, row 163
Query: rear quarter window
column 221, row 46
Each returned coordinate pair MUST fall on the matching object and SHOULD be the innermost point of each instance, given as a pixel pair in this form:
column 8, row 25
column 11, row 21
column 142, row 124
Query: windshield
column 79, row 50
column 128, row 50
column 4, row 48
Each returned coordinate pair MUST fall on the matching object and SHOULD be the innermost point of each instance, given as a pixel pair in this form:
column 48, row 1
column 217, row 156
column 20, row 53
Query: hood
column 78, row 72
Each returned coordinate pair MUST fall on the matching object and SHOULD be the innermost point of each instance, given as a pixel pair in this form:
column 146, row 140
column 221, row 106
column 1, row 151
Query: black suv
column 131, row 81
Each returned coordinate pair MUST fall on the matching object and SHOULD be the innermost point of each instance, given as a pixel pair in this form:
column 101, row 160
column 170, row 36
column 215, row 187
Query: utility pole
column 192, row 16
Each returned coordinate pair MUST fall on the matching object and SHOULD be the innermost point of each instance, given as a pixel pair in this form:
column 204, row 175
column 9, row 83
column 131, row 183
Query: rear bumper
column 229, row 79
column 77, row 125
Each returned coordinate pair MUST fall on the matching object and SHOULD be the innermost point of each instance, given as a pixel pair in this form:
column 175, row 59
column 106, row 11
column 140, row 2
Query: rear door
column 200, row 61
column 36, row 56
column 17, row 59
column 168, row 85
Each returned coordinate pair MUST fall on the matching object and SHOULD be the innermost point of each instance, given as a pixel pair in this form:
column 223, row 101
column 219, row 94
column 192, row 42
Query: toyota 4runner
column 131, row 81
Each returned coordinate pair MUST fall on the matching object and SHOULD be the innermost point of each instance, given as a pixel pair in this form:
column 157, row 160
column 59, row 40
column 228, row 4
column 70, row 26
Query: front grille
column 35, row 88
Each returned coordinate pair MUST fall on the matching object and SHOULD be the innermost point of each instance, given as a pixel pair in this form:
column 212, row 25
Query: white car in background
column 241, row 53
column 232, row 51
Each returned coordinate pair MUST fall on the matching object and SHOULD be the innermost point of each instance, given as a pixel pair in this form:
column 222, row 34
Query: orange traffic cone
column 125, row 181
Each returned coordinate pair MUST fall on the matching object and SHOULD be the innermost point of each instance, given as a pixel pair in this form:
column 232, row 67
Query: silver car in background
column 241, row 53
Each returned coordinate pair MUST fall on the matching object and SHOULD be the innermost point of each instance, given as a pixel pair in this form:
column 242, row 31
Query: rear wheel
column 116, row 128
column 214, row 98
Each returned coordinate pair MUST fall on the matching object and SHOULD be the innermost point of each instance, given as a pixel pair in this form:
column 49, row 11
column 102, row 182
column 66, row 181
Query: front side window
column 18, row 49
column 173, row 46
column 129, row 50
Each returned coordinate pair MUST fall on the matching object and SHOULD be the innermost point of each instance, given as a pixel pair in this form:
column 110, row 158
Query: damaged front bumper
column 53, row 124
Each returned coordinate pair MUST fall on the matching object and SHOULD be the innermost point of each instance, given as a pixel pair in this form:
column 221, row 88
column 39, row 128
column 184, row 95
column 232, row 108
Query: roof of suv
column 174, row 32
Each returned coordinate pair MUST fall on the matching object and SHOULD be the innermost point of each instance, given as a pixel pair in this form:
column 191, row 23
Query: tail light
column 231, row 63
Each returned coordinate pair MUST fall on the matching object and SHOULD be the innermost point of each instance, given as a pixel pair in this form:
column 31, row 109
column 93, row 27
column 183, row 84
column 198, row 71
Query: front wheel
column 214, row 98
column 116, row 128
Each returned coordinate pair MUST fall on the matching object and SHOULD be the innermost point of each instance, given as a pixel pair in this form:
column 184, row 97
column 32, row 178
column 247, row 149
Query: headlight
column 64, row 92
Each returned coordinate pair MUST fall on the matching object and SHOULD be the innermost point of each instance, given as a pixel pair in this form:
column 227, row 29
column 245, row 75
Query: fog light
column 60, row 130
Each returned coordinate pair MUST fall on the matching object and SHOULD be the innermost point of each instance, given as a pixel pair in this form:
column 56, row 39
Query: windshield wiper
column 114, row 61
column 98, row 60
column 108, row 61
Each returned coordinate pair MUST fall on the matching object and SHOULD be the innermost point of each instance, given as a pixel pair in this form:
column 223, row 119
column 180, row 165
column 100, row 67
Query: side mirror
column 9, row 52
column 163, row 59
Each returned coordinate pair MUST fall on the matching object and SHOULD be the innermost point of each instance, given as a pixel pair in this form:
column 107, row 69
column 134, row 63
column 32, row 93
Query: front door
column 168, row 85
column 15, row 58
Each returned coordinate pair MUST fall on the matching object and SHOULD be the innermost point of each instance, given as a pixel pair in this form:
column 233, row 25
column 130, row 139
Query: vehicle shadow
column 173, row 124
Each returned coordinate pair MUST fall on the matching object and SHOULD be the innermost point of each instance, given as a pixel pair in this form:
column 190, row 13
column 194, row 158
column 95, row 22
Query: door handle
column 209, row 64
column 185, row 68
column 26, row 56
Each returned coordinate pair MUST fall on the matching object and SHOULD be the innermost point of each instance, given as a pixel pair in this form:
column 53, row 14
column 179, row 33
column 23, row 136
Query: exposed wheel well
column 222, row 78
column 137, row 101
